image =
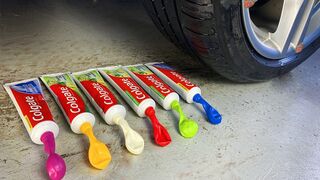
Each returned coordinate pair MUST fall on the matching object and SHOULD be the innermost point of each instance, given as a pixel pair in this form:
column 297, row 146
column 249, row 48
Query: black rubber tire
column 213, row 32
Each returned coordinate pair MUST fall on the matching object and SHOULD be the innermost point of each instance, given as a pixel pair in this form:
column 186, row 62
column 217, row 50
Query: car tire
column 213, row 32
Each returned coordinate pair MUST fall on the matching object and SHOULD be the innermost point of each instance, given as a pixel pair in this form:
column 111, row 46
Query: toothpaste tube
column 81, row 120
column 28, row 98
column 187, row 90
column 163, row 94
column 151, row 83
column 68, row 97
column 137, row 98
column 99, row 94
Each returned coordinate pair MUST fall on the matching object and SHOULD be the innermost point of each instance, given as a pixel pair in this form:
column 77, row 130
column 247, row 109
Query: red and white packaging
column 99, row 94
column 176, row 81
column 32, row 107
column 133, row 94
column 68, row 97
column 150, row 82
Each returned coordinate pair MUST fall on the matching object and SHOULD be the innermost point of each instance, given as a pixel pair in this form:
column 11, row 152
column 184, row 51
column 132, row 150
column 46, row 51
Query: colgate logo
column 134, row 89
column 158, row 84
column 187, row 82
column 35, row 109
column 103, row 94
column 74, row 108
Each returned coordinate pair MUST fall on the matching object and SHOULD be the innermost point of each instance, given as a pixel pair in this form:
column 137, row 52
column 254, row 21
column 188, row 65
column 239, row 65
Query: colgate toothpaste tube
column 105, row 102
column 68, row 97
column 151, row 83
column 164, row 95
column 137, row 98
column 34, row 112
column 187, row 90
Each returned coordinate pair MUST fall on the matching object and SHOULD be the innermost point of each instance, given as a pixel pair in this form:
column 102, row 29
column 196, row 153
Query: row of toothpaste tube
column 135, row 83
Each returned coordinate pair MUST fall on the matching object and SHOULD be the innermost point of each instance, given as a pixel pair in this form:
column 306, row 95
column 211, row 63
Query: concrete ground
column 270, row 130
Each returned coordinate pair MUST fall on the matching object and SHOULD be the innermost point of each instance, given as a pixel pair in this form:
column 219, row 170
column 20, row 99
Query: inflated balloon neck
column 151, row 114
column 48, row 141
column 120, row 121
column 86, row 129
column 55, row 165
column 175, row 105
column 213, row 115
column 160, row 133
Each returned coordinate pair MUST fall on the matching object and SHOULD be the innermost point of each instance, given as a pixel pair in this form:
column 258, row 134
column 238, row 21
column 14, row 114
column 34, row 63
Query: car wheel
column 245, row 41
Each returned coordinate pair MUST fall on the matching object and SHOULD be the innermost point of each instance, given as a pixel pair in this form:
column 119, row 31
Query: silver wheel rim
column 297, row 25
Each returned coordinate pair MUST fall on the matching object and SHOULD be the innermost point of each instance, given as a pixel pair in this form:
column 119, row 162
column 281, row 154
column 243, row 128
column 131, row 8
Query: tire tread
column 196, row 27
